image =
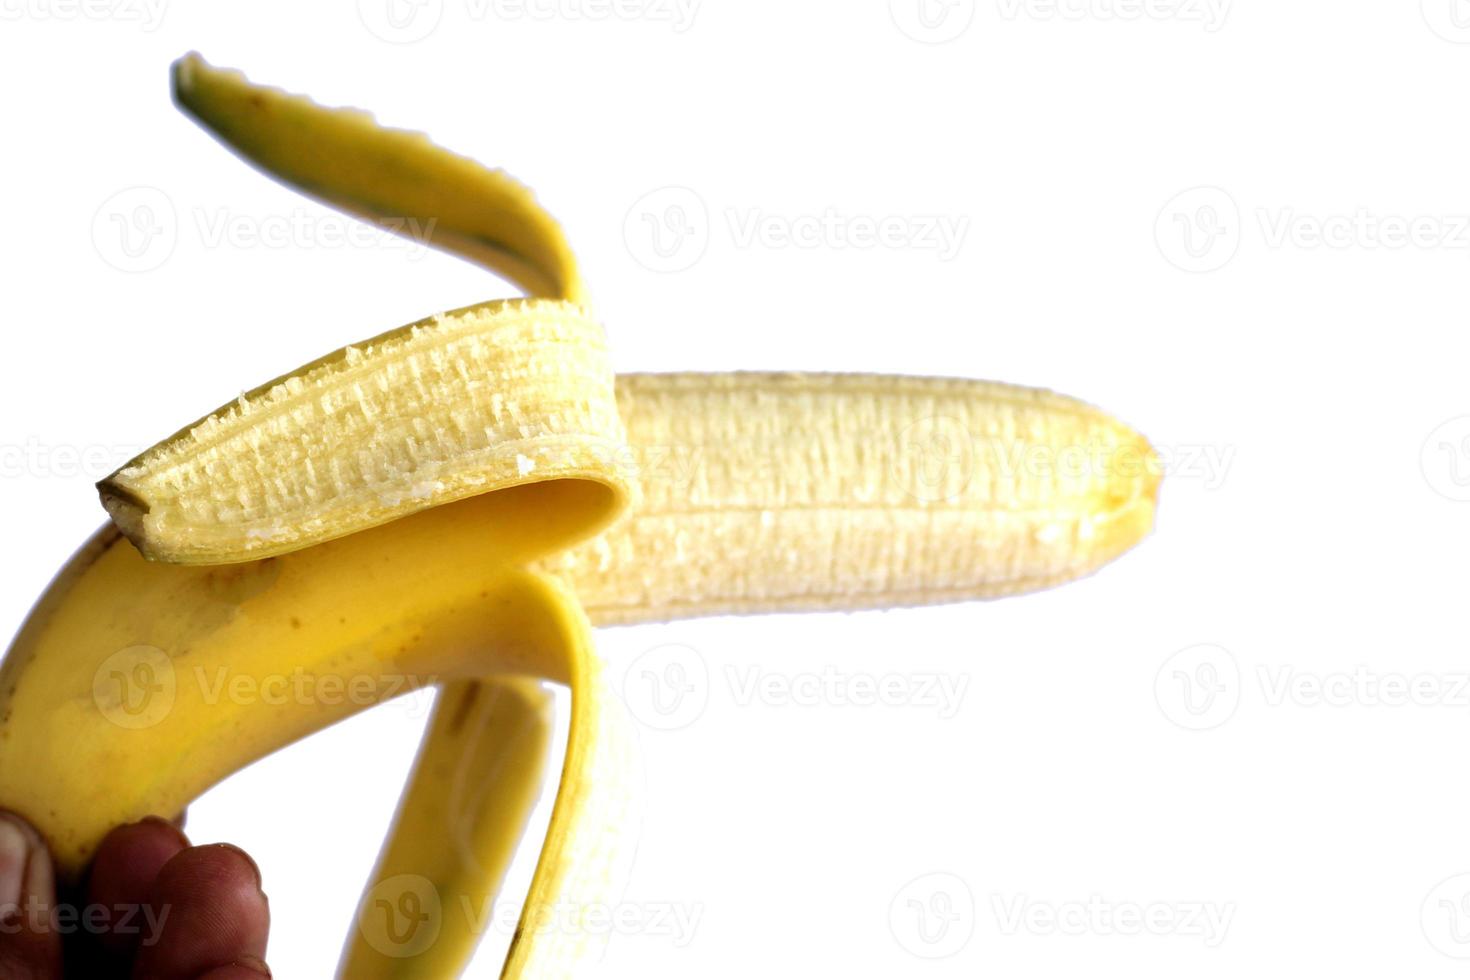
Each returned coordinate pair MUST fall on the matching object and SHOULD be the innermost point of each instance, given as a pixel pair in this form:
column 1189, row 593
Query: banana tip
column 127, row 510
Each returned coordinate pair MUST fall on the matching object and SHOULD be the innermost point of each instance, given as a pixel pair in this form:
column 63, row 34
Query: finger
column 30, row 947
column 121, row 878
column 214, row 914
column 245, row 968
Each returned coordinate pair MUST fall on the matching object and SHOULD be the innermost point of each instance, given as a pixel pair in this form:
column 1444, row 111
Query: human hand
column 151, row 906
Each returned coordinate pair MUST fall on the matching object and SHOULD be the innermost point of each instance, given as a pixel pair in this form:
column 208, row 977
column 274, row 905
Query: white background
column 1240, row 227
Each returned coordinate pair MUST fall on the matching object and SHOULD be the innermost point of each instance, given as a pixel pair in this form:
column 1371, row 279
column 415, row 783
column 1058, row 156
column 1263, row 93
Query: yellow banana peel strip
column 456, row 503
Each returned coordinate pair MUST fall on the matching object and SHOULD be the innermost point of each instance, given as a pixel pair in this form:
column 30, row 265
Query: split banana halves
column 458, row 502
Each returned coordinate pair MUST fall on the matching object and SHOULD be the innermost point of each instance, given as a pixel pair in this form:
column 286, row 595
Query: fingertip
column 29, row 944
column 244, row 865
column 214, row 912
column 121, row 879
column 166, row 829
column 134, row 853
column 244, row 968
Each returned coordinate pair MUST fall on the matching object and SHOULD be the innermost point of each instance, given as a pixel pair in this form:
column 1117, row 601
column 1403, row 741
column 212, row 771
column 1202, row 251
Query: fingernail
column 40, row 880
column 15, row 850
column 253, row 963
column 254, row 868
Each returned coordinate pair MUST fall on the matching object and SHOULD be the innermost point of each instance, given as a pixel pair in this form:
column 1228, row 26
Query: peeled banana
column 456, row 503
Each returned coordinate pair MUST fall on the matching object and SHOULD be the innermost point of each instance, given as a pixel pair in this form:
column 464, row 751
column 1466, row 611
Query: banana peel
column 458, row 502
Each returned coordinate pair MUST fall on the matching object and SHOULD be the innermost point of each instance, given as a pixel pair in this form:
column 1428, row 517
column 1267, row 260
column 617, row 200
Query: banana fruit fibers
column 462, row 499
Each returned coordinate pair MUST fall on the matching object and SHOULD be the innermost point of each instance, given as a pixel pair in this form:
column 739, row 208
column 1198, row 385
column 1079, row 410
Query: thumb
column 30, row 948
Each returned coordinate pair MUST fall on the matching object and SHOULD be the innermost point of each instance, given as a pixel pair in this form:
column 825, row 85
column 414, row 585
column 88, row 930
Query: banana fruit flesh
column 505, row 395
column 784, row 492
column 457, row 503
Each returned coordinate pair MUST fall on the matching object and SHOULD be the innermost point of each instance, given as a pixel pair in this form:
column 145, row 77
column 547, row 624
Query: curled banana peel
column 457, row 502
